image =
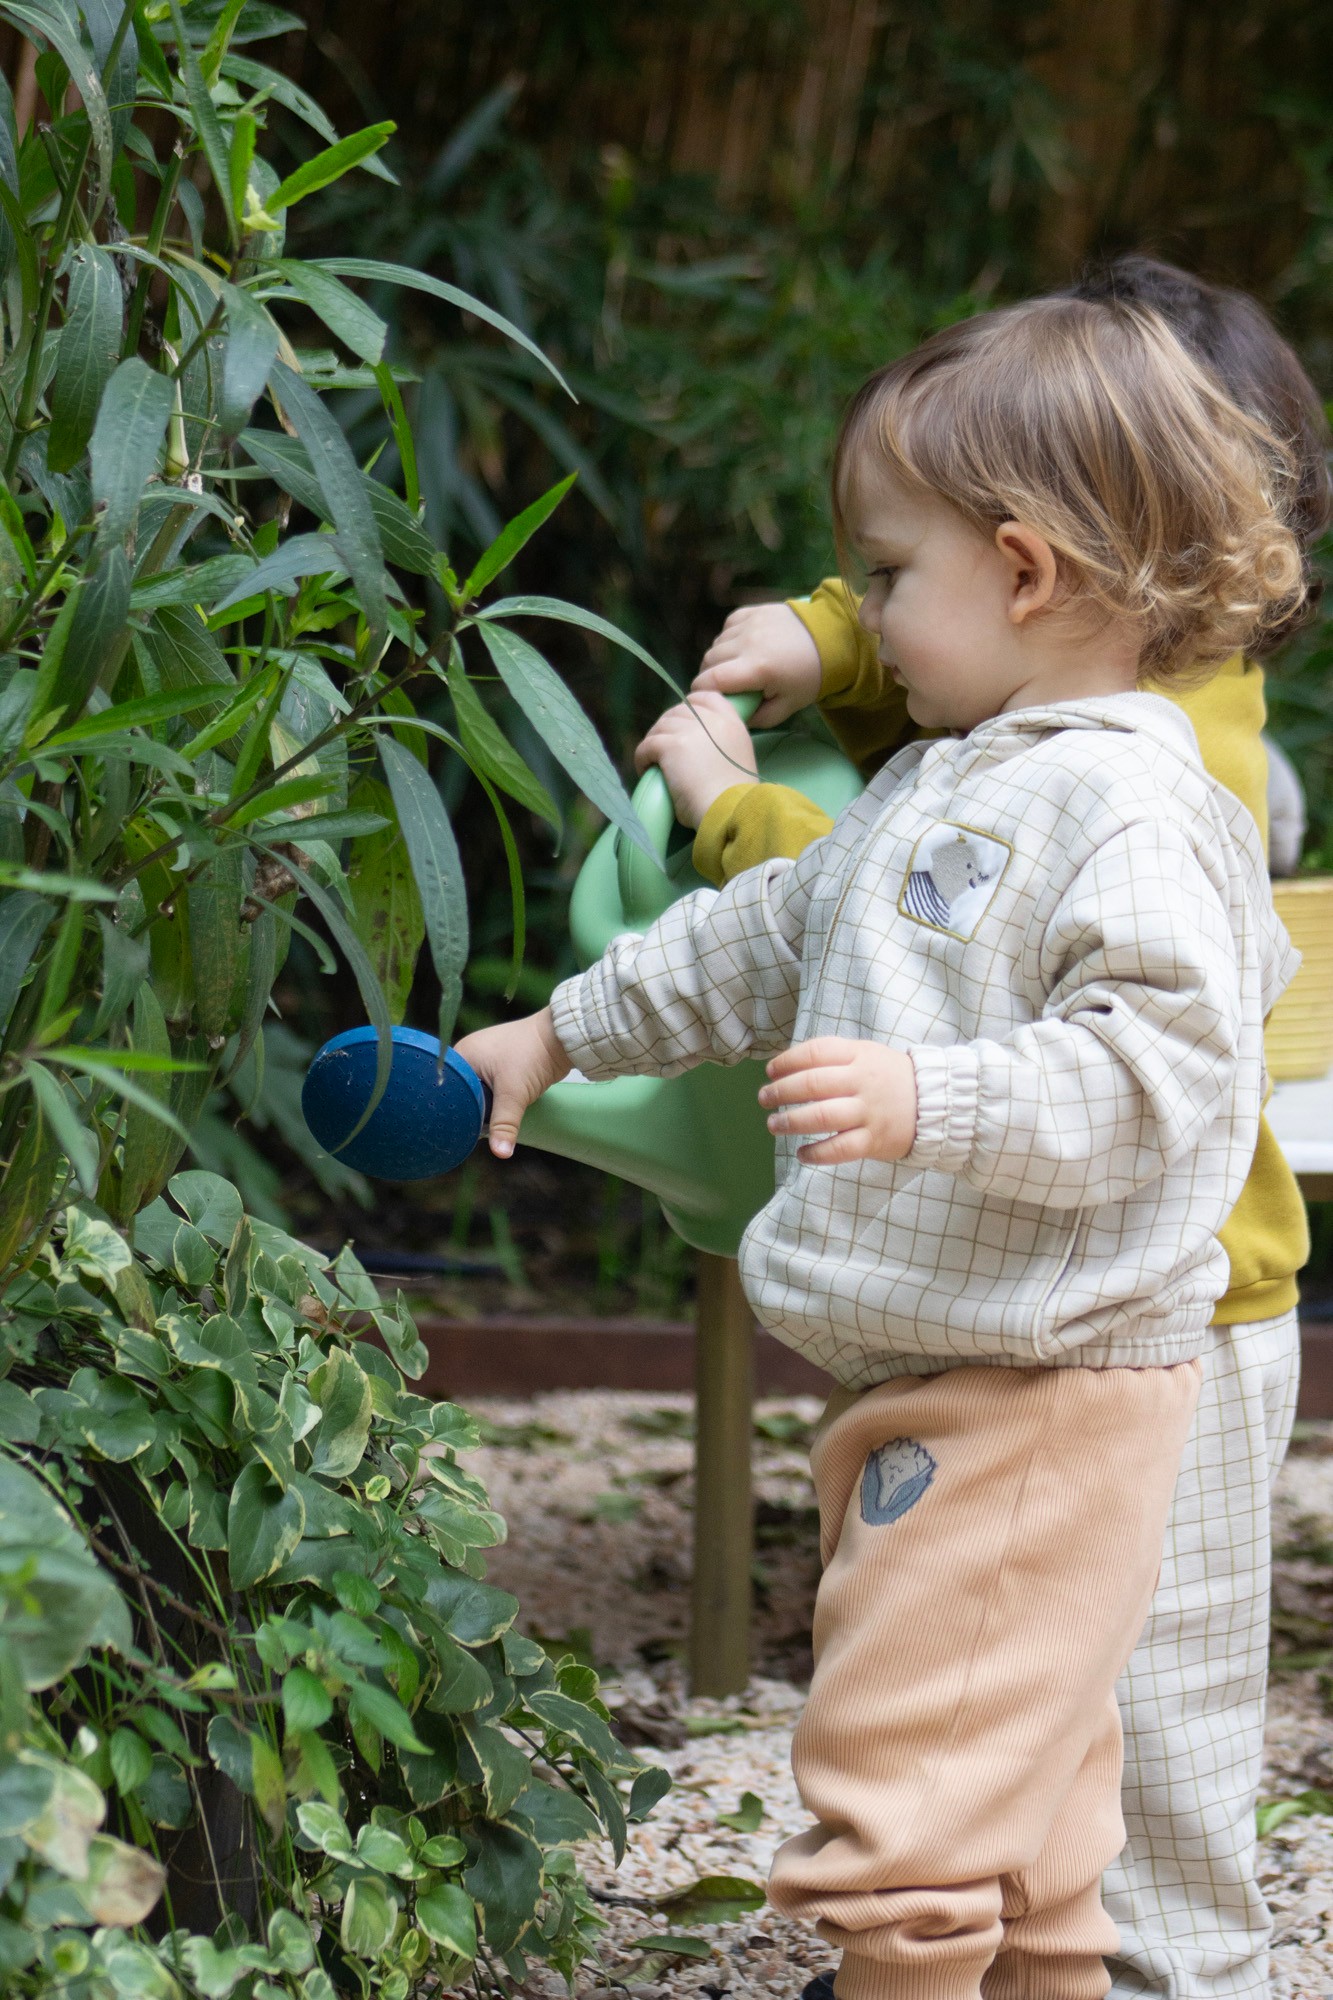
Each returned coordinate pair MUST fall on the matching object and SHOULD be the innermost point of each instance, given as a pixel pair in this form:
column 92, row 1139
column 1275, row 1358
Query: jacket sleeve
column 715, row 979
column 1133, row 1056
column 858, row 697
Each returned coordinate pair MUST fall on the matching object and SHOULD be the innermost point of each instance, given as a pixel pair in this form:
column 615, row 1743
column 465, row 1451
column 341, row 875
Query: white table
column 1301, row 1117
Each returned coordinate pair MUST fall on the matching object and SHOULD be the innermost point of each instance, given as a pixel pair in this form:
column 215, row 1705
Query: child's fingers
column 507, row 1108
column 729, row 673
column 836, row 1049
column 826, row 1114
column 854, row 1145
column 804, row 1086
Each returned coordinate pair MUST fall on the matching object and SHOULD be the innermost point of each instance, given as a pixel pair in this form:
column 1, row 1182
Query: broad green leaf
column 207, row 124
column 131, row 1760
column 212, row 1204
column 475, row 1613
column 127, row 437
column 504, row 1881
column 564, row 728
column 748, row 1816
column 264, row 1524
column 554, row 1815
column 89, row 351
column 513, row 537
column 505, row 1769
column 588, row 621
column 577, row 1721
column 384, row 1712
column 247, row 360
column 306, row 1702
column 418, row 281
column 330, row 165
column 20, row 1420
column 648, row 1789
column 403, row 538
column 385, row 900
column 94, row 1247
column 489, row 748
column 446, row 1915
column 343, row 1393
column 347, row 317
column 438, row 872
column 68, row 1603
column 713, row 1899
column 341, row 483
column 370, row 1912
column 24, row 919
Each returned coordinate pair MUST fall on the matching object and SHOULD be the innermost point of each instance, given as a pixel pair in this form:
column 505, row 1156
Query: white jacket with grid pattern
column 1068, row 924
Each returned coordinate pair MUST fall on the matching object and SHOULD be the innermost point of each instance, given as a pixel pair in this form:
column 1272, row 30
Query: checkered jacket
column 1068, row 925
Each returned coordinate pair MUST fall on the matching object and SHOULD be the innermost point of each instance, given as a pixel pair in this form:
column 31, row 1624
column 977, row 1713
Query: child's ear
column 1034, row 572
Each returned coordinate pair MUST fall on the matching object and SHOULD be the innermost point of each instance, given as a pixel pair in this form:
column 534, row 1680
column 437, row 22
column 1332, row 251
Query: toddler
column 1013, row 1003
column 1184, row 1891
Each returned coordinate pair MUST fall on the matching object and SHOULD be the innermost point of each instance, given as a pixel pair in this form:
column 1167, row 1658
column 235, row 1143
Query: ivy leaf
column 264, row 1524
column 504, row 1881
column 564, row 728
column 437, row 870
column 370, row 1912
column 446, row 1915
column 385, row 1713
column 343, row 1393
column 748, row 1816
column 713, row 1899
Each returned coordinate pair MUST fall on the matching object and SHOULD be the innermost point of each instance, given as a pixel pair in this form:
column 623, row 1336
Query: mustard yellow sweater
column 1265, row 1237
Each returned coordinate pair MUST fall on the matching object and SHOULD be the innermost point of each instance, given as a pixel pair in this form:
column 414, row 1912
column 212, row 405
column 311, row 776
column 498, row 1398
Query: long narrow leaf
column 372, row 993
column 347, row 317
column 301, row 555
column 75, row 1142
column 141, row 713
column 513, row 537
column 207, row 124
column 433, row 852
column 330, row 165
column 113, row 1078
column 564, row 728
column 419, row 281
column 272, row 83
column 131, row 424
column 56, row 26
column 403, row 538
column 24, row 918
column 340, row 480
column 574, row 614
column 489, row 750
column 247, row 361
column 89, row 351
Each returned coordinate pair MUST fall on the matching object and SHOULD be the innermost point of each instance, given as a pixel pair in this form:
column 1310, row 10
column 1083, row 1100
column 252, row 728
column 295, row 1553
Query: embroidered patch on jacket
column 954, row 872
column 895, row 1478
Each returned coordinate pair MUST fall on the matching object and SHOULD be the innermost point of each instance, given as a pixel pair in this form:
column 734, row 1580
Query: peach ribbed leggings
column 991, row 1539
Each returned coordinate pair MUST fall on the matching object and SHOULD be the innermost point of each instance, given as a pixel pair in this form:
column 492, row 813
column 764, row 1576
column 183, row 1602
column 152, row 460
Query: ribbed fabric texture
column 992, row 1537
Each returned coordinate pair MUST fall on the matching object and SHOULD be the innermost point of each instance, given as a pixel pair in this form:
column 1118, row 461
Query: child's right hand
column 518, row 1060
column 764, row 648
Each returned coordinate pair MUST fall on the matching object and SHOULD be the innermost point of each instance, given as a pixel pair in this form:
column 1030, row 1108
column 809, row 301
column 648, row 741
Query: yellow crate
column 1299, row 1039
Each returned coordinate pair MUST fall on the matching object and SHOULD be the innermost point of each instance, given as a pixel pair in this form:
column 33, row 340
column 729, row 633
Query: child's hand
column 703, row 748
column 764, row 648
column 519, row 1060
column 861, row 1092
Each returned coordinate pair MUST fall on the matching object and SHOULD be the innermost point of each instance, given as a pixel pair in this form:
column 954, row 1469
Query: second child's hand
column 764, row 649
column 861, row 1093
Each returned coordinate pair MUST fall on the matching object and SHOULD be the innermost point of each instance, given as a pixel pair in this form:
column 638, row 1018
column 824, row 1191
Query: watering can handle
column 639, row 880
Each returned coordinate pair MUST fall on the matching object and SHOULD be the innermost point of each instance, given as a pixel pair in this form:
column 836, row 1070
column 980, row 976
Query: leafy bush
column 253, row 1686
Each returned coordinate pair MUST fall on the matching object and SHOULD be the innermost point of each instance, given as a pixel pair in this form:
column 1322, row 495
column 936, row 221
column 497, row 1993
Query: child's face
column 948, row 604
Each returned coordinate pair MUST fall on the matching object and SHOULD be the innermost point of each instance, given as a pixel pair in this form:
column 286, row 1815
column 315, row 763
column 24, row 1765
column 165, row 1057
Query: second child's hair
column 1164, row 502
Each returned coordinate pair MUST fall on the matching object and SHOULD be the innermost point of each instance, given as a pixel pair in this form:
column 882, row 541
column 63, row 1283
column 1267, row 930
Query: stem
column 161, row 214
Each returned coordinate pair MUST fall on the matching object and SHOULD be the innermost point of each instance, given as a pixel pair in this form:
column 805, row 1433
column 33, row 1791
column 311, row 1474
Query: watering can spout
column 701, row 1145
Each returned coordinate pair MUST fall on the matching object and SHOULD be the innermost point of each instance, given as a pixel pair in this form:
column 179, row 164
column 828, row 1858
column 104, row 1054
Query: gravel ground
column 597, row 1490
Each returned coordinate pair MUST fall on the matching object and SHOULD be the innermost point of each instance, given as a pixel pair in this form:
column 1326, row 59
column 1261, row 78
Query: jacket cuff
column 574, row 1018
column 947, row 1084
column 829, row 616
column 716, row 829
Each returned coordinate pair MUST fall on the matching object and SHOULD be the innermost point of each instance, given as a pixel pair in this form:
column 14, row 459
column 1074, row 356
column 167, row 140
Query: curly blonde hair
column 1165, row 503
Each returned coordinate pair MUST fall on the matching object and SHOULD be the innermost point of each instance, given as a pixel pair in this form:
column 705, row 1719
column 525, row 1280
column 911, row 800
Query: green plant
column 214, row 734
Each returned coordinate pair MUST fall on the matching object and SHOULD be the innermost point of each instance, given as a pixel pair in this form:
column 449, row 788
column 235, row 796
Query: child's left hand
column 861, row 1092
column 703, row 749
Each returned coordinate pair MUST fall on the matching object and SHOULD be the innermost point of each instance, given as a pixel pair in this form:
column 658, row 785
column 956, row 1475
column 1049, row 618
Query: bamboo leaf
column 341, row 483
column 512, row 538
column 57, row 26
column 368, row 985
column 24, row 919
column 330, row 165
column 77, row 1144
column 438, row 872
column 419, row 281
column 127, row 437
column 88, row 353
column 574, row 614
column 298, row 556
column 564, row 728
column 346, row 316
column 491, row 751
column 247, row 361
column 385, row 899
column 272, row 83
column 207, row 124
column 403, row 538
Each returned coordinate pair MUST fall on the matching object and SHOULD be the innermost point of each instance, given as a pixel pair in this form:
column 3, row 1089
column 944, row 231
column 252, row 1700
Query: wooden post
column 723, row 1502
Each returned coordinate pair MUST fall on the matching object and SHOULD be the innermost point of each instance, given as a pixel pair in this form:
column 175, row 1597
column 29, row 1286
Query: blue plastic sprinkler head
column 429, row 1119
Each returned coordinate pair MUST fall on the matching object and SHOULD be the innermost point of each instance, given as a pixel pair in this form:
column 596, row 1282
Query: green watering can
column 698, row 1141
